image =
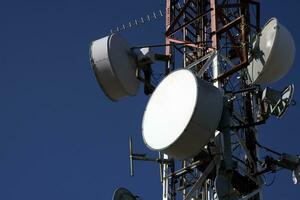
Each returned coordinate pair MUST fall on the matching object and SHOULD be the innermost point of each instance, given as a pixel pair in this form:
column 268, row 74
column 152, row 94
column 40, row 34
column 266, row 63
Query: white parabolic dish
column 273, row 53
column 182, row 115
column 114, row 67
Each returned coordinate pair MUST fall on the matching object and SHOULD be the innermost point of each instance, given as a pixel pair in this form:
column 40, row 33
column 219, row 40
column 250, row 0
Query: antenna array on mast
column 200, row 115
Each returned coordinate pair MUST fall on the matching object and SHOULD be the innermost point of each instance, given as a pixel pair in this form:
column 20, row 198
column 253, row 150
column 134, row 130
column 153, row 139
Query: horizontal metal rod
column 252, row 194
column 249, row 125
column 169, row 33
column 229, row 25
column 184, row 170
column 244, row 90
column 172, row 44
column 232, row 71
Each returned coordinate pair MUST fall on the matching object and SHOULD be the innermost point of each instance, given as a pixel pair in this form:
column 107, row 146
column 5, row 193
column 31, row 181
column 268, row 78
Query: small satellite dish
column 114, row 67
column 273, row 54
column 182, row 115
column 278, row 101
column 123, row 194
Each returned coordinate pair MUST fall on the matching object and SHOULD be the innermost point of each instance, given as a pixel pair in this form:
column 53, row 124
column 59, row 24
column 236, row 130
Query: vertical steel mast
column 214, row 37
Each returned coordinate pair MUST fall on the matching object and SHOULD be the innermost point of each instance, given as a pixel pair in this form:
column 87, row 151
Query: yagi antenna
column 137, row 22
column 156, row 15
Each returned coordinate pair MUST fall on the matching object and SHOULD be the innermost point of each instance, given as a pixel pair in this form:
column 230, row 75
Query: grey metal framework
column 195, row 31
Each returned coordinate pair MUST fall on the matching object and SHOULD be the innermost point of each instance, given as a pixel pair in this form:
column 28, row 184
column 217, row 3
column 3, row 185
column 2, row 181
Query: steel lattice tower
column 195, row 30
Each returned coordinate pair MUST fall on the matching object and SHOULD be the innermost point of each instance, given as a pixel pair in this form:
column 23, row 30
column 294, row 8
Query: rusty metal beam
column 227, row 18
column 174, row 22
column 229, row 25
column 231, row 37
column 169, row 33
column 244, row 39
column 194, row 45
column 232, row 71
column 214, row 24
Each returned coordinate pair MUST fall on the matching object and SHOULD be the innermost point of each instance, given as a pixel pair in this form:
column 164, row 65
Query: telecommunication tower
column 203, row 114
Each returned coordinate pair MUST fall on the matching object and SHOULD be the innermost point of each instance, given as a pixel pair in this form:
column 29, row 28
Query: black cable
column 241, row 161
column 268, row 149
column 272, row 182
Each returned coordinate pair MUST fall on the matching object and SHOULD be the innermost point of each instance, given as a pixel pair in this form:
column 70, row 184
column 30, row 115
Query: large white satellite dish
column 273, row 54
column 114, row 67
column 182, row 115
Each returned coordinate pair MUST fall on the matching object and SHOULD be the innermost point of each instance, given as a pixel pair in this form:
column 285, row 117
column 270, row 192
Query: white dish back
column 114, row 67
column 274, row 52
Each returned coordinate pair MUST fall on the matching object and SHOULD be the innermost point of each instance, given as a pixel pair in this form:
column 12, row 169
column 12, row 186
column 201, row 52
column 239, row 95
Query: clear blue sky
column 60, row 137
